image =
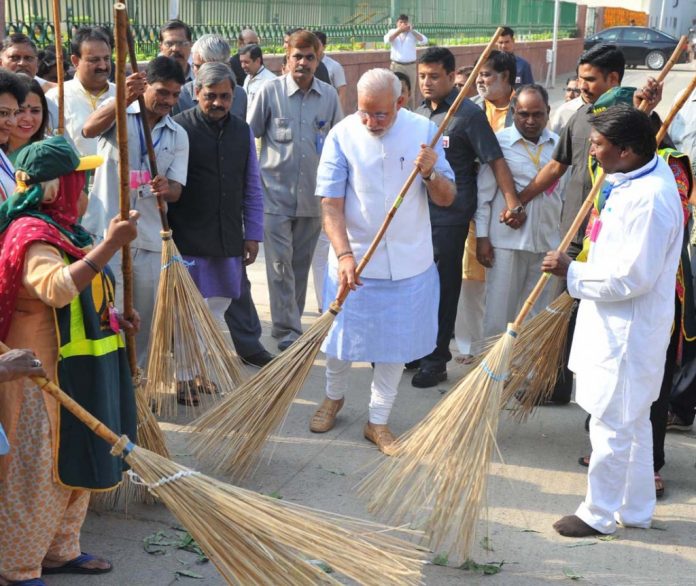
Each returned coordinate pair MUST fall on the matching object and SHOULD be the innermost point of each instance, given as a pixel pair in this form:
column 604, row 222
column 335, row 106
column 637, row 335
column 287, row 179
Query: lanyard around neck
column 535, row 157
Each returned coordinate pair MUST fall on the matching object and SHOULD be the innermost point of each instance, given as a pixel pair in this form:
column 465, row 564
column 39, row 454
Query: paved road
column 539, row 482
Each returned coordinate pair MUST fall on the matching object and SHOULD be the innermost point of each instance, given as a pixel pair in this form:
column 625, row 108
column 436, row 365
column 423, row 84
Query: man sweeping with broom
column 626, row 289
column 392, row 318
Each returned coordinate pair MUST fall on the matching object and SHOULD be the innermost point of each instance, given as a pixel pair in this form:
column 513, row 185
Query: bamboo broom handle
column 60, row 71
column 121, row 29
column 678, row 105
column 343, row 293
column 71, row 405
column 589, row 200
column 147, row 133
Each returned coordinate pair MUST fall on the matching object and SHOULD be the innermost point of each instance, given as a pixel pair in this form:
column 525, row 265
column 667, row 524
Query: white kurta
column 627, row 292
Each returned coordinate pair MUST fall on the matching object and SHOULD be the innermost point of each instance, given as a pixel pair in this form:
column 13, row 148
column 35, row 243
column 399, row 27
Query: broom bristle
column 537, row 355
column 437, row 477
column 254, row 539
column 150, row 437
column 233, row 434
column 188, row 353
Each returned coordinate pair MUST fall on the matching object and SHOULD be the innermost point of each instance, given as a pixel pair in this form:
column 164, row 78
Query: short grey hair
column 248, row 32
column 213, row 74
column 212, row 49
column 377, row 81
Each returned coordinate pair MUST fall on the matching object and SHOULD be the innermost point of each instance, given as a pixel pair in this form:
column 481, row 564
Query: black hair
column 507, row 32
column 165, row 69
column 47, row 60
column 607, row 58
column 403, row 17
column 173, row 25
column 501, row 62
column 530, row 87
column 465, row 70
column 33, row 87
column 85, row 34
column 626, row 127
column 17, row 39
column 253, row 50
column 321, row 35
column 439, row 55
column 403, row 77
column 11, row 83
column 293, row 30
column 571, row 79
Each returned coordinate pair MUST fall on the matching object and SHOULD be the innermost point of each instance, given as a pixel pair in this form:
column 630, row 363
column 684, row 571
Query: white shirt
column 563, row 113
column 171, row 150
column 541, row 231
column 369, row 171
column 7, row 177
column 79, row 105
column 252, row 84
column 336, row 73
column 683, row 128
column 403, row 47
column 627, row 288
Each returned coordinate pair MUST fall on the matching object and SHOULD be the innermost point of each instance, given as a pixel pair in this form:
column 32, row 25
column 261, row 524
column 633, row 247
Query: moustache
column 216, row 109
column 104, row 71
column 301, row 70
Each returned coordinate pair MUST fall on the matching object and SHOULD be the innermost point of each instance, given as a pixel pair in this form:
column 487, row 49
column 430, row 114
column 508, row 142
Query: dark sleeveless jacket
column 208, row 218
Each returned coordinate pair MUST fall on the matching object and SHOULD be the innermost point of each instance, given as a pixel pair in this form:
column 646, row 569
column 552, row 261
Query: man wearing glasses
column 573, row 101
column 175, row 42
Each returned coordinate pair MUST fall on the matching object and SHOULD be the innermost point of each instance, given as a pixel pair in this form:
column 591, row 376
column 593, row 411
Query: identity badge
column 445, row 142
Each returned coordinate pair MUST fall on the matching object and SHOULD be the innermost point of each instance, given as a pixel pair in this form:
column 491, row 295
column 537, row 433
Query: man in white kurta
column 390, row 317
column 626, row 289
column 512, row 257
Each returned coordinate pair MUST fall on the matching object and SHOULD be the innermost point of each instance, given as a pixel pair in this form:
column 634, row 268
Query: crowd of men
column 246, row 156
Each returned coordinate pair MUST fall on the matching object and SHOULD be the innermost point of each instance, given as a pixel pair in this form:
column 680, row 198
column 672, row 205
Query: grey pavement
column 538, row 482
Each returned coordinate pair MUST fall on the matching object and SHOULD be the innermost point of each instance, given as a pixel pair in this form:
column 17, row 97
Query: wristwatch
column 516, row 211
column 429, row 178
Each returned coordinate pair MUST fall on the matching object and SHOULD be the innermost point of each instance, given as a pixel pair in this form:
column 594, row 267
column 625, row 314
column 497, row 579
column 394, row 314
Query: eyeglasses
column 378, row 116
column 459, row 85
column 172, row 44
column 572, row 90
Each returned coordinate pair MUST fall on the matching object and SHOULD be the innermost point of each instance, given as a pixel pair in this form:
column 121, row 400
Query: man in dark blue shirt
column 506, row 43
column 468, row 140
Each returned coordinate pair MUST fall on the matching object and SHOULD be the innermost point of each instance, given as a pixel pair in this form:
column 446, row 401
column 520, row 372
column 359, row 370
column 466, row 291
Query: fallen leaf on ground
column 569, row 573
column 585, row 543
column 188, row 574
column 487, row 569
column 441, row 559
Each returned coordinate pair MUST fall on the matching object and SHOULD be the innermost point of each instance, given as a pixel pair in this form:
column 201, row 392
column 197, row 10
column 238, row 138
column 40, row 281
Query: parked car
column 640, row 45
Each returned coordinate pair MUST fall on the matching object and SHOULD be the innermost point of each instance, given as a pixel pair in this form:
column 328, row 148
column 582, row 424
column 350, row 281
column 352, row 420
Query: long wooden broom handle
column 678, row 105
column 343, row 293
column 121, row 29
column 71, row 405
column 147, row 133
column 589, row 200
column 60, row 72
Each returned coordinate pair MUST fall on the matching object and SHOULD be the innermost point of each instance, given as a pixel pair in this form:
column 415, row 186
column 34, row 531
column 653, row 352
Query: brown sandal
column 324, row 418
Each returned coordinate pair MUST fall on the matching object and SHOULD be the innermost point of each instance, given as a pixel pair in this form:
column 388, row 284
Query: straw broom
column 539, row 351
column 255, row 539
column 149, row 433
column 234, row 434
column 60, row 71
column 438, row 474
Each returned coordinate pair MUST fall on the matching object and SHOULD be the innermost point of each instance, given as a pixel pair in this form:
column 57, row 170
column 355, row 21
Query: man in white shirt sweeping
column 626, row 312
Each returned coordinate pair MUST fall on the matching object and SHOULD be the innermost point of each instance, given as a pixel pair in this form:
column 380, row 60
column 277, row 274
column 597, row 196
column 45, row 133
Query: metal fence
column 347, row 22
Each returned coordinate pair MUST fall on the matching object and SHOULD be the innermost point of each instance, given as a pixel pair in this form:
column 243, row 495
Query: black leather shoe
column 413, row 365
column 428, row 378
column 259, row 359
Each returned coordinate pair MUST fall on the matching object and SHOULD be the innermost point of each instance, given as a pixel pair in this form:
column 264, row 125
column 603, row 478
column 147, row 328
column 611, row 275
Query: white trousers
column 508, row 283
column 320, row 261
column 468, row 327
column 385, row 385
column 620, row 483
